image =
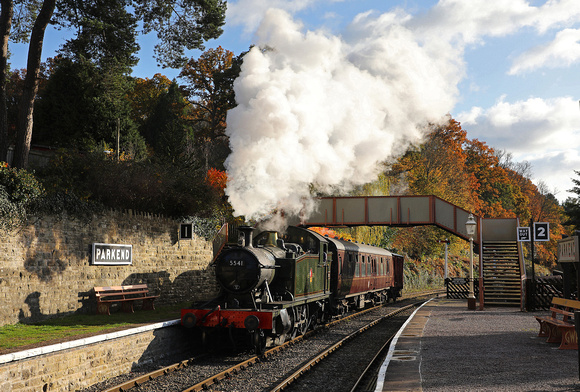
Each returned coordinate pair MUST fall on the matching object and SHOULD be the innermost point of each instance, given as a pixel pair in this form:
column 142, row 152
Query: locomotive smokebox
column 245, row 235
column 241, row 270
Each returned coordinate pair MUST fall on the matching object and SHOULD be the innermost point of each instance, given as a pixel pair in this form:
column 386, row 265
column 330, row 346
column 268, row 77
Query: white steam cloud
column 322, row 110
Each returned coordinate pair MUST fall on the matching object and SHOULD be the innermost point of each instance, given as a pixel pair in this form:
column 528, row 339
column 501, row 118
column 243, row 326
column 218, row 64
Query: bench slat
column 560, row 325
column 125, row 295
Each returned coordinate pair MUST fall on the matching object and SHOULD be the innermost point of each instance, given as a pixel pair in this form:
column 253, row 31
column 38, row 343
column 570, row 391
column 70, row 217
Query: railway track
column 251, row 373
column 347, row 361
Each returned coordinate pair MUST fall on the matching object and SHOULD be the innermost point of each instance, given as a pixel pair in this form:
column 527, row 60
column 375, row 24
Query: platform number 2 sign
column 541, row 231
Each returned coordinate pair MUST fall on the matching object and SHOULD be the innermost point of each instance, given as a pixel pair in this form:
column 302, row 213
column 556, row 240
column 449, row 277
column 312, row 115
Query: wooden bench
column 125, row 296
column 559, row 327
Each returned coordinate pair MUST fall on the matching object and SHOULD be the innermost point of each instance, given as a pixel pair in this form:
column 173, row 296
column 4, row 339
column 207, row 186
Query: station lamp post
column 470, row 227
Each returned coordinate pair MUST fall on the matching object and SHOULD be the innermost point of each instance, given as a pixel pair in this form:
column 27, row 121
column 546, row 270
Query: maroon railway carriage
column 361, row 274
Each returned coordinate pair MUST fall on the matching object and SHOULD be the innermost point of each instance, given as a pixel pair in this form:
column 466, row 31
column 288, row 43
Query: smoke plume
column 322, row 111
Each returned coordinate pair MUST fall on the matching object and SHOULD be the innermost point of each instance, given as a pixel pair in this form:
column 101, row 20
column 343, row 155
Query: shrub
column 19, row 191
column 159, row 187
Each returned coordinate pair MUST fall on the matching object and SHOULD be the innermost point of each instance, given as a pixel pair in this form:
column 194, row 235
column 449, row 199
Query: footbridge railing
column 401, row 211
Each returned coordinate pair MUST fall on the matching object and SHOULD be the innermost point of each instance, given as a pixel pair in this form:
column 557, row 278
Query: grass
column 19, row 335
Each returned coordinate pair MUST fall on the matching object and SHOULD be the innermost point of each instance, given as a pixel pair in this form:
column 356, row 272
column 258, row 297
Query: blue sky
column 507, row 70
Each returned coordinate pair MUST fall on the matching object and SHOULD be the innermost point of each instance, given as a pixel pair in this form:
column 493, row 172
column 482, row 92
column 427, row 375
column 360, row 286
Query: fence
column 458, row 288
column 539, row 295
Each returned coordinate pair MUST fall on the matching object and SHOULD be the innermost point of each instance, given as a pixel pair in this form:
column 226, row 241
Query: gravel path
column 496, row 349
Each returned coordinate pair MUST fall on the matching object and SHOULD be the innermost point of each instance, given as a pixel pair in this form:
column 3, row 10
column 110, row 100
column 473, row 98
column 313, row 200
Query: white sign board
column 524, row 234
column 568, row 250
column 112, row 254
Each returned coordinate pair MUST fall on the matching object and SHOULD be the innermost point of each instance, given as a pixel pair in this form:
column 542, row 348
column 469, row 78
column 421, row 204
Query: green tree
column 83, row 106
column 167, row 129
column 31, row 82
column 19, row 190
column 106, row 33
column 572, row 205
column 180, row 25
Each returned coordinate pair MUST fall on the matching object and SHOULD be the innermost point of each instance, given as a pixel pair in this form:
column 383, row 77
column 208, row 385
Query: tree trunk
column 5, row 26
column 26, row 110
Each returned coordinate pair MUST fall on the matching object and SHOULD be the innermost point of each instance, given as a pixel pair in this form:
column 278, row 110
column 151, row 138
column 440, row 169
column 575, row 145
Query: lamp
column 470, row 227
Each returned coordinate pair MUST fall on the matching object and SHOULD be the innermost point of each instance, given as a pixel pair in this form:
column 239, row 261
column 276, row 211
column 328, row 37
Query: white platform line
column 19, row 355
column 385, row 365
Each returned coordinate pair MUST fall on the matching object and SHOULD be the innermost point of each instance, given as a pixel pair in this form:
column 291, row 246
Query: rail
column 216, row 378
column 308, row 366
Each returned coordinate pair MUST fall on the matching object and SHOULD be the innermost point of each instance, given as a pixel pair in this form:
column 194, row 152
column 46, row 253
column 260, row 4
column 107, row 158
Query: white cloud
column 544, row 132
column 556, row 14
column 563, row 51
column 323, row 110
column 469, row 22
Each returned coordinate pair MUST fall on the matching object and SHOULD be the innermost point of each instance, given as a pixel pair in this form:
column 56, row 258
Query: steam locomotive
column 277, row 286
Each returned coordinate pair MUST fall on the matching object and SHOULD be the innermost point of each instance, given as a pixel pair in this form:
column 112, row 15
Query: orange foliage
column 217, row 179
column 146, row 93
column 206, row 89
column 439, row 167
column 473, row 176
column 331, row 233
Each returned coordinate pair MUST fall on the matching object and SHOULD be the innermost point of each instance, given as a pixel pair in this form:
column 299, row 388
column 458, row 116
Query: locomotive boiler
column 275, row 286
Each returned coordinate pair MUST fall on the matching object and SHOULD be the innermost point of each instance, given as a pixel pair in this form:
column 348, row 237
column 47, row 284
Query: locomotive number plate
column 236, row 263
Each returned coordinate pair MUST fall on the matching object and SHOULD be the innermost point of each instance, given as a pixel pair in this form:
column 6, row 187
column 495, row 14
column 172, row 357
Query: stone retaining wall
column 77, row 368
column 46, row 271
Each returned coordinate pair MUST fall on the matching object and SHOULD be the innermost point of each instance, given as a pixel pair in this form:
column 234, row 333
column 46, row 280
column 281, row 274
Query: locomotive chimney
column 246, row 234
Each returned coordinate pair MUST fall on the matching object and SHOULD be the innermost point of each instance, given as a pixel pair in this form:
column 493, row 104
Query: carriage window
column 356, row 267
column 388, row 265
column 364, row 267
column 339, row 264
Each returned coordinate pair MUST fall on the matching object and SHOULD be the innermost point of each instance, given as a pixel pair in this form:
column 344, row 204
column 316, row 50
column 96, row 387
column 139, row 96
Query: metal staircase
column 501, row 273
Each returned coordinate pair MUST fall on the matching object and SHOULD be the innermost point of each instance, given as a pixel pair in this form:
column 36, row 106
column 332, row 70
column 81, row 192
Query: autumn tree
column 438, row 167
column 500, row 197
column 209, row 87
column 180, row 25
column 144, row 95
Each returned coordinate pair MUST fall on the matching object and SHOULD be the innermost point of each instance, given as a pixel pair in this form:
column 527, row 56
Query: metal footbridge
column 501, row 259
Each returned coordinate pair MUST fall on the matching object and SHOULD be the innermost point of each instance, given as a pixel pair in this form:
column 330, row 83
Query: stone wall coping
column 17, row 356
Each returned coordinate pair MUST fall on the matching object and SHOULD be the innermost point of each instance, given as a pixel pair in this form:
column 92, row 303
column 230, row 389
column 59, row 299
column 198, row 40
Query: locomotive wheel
column 302, row 318
column 259, row 341
column 293, row 330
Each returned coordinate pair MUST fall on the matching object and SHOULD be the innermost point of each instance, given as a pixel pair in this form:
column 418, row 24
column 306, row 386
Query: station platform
column 446, row 347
